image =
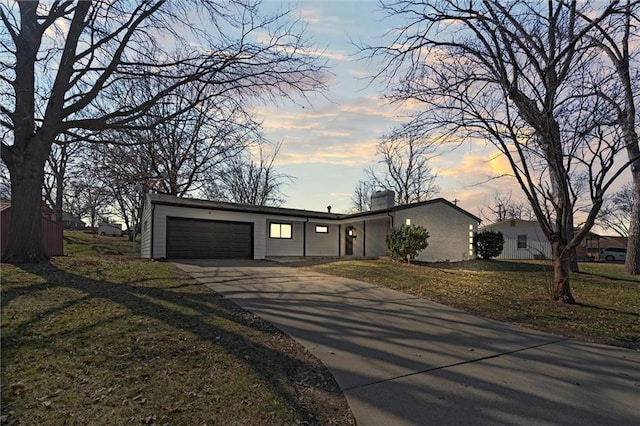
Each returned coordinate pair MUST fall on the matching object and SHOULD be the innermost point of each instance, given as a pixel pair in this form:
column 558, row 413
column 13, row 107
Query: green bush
column 406, row 240
column 488, row 244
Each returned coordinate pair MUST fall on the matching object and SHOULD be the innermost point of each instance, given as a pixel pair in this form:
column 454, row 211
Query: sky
column 328, row 143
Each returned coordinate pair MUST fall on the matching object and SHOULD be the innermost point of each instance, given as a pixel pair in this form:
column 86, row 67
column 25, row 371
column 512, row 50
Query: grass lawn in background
column 101, row 336
column 608, row 309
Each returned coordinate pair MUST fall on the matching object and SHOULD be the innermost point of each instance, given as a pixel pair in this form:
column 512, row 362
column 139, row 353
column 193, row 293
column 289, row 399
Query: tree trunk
column 632, row 264
column 561, row 273
column 24, row 242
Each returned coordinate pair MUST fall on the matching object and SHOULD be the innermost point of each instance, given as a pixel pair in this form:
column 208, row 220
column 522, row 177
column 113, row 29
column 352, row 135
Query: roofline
column 161, row 199
column 250, row 208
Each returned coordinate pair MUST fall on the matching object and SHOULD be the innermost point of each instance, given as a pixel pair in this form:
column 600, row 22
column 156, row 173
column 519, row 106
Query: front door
column 348, row 240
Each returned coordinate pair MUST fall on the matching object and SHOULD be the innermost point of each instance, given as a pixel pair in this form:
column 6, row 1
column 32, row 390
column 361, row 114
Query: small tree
column 488, row 244
column 405, row 242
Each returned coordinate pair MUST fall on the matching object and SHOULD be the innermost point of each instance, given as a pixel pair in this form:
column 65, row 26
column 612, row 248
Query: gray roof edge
column 165, row 199
column 171, row 200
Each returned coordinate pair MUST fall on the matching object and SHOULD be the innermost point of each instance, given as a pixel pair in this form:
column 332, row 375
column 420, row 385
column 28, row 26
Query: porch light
column 352, row 233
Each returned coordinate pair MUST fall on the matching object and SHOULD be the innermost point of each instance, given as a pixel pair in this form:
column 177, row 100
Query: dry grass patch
column 112, row 339
column 516, row 292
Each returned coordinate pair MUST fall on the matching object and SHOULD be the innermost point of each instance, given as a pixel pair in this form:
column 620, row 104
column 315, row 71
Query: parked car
column 113, row 229
column 611, row 254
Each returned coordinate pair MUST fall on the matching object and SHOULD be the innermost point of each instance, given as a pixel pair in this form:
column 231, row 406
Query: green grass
column 608, row 309
column 102, row 337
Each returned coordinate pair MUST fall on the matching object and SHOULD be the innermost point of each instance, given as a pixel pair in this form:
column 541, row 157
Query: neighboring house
column 181, row 228
column 112, row 229
column 52, row 231
column 70, row 221
column 523, row 239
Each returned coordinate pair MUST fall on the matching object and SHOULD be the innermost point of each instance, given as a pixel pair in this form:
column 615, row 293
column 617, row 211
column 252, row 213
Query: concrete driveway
column 401, row 360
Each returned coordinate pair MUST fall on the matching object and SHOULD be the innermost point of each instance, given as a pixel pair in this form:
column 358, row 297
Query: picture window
column 280, row 230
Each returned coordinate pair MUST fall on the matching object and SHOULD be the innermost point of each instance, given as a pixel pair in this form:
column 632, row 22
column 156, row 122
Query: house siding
column 285, row 246
column 537, row 243
column 322, row 244
column 147, row 225
column 160, row 226
column 450, row 228
column 376, row 237
column 450, row 231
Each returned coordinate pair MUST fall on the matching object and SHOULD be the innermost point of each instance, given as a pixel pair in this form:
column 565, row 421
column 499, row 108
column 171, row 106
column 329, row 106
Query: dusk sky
column 328, row 144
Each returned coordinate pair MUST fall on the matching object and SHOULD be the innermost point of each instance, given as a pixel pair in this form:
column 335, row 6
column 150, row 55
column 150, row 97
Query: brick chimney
column 382, row 200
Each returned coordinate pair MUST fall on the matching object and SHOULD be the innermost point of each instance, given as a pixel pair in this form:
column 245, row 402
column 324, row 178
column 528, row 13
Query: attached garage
column 208, row 239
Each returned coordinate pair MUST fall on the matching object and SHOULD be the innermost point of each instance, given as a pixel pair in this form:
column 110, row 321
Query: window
column 522, row 241
column 321, row 229
column 407, row 222
column 280, row 230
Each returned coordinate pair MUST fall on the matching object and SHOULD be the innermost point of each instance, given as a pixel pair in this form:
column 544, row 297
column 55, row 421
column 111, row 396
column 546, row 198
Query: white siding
column 376, row 243
column 449, row 231
column 160, row 226
column 286, row 246
column 537, row 243
column 322, row 244
column 145, row 238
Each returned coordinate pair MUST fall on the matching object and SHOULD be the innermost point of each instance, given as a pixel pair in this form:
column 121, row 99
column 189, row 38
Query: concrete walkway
column 406, row 361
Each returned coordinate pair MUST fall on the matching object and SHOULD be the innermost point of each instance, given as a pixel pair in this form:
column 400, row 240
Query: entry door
column 348, row 240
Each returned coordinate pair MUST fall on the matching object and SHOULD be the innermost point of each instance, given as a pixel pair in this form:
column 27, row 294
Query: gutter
column 304, row 238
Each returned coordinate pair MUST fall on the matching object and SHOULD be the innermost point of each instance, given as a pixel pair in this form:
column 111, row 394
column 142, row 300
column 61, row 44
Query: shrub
column 488, row 244
column 406, row 240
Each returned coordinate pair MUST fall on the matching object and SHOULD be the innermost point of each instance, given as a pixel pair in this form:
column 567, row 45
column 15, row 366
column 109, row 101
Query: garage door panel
column 208, row 239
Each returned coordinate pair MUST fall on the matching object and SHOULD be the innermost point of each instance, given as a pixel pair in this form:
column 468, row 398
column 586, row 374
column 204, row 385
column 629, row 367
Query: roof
column 171, row 200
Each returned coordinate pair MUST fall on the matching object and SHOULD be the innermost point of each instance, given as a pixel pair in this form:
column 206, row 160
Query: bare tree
column 404, row 160
column 56, row 176
column 361, row 198
column 5, row 182
column 523, row 77
column 616, row 36
column 616, row 214
column 245, row 180
column 502, row 206
column 86, row 54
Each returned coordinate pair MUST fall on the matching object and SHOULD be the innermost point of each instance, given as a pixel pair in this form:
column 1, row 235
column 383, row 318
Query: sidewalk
column 405, row 361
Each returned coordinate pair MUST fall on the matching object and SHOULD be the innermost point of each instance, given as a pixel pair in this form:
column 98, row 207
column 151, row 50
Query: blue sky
column 328, row 144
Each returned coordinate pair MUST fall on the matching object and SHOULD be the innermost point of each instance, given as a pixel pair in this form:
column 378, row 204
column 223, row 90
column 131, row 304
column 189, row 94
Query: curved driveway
column 401, row 360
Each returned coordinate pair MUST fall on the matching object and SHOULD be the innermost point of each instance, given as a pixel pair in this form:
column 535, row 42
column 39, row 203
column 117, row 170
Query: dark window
column 522, row 241
column 280, row 230
column 321, row 229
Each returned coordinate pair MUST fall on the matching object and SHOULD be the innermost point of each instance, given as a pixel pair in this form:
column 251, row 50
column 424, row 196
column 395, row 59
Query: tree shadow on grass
column 192, row 312
column 488, row 265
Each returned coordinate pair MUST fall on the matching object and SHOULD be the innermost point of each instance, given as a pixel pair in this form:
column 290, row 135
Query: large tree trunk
column 561, row 273
column 632, row 264
column 26, row 168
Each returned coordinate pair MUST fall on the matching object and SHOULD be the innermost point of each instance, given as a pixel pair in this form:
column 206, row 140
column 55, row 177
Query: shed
column 52, row 231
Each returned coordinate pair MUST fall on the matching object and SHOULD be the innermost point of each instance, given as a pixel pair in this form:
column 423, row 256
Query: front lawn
column 517, row 292
column 101, row 336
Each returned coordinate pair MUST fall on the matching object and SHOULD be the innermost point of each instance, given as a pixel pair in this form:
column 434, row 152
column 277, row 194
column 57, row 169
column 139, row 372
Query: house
column 523, row 239
column 112, row 229
column 52, row 231
column 182, row 228
column 70, row 221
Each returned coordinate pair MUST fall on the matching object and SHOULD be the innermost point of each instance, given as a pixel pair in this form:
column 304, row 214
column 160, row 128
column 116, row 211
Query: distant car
column 112, row 229
column 611, row 254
